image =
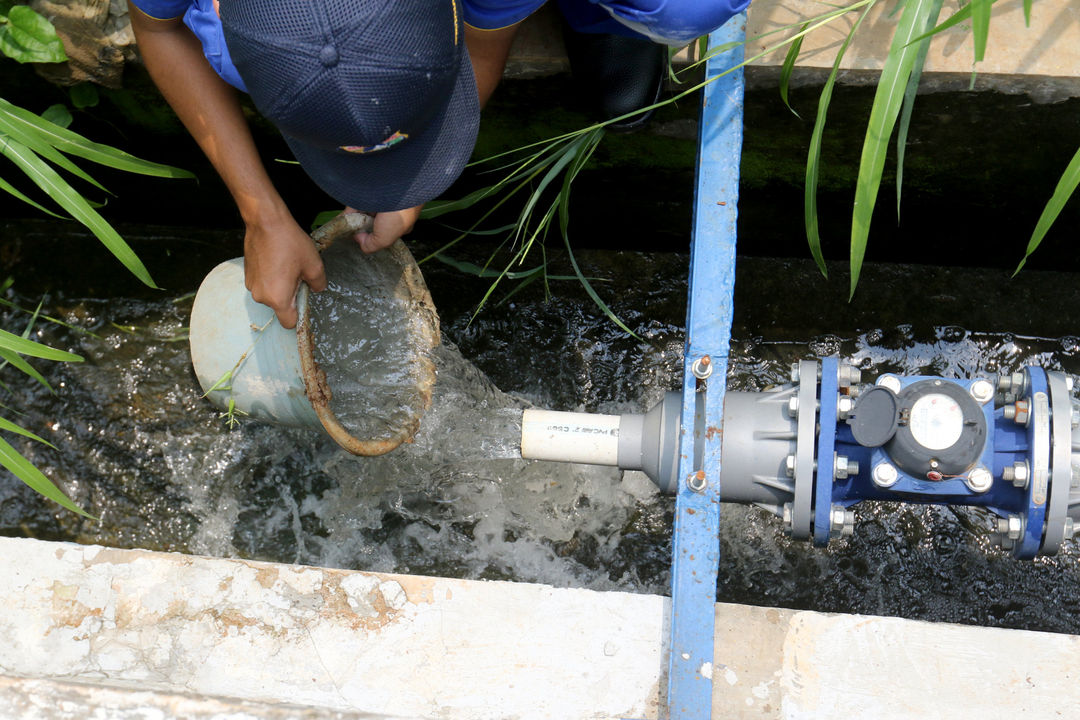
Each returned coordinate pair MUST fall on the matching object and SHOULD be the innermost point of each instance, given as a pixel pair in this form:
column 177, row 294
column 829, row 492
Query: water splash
column 138, row 445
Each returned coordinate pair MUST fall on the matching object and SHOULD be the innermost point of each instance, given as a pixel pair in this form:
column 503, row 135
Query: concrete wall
column 92, row 632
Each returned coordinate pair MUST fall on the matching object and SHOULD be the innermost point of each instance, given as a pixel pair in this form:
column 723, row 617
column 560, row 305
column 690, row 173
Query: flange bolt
column 702, row 367
column 842, row 522
column 844, row 468
column 848, row 375
column 982, row 391
column 1018, row 412
column 1010, row 528
column 891, row 382
column 885, row 475
column 979, row 480
column 1017, row 474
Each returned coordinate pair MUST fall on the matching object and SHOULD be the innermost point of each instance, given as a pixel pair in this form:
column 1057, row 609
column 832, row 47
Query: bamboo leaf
column 909, row 102
column 14, row 343
column 19, row 363
column 813, row 157
column 566, row 156
column 1065, row 188
column 441, row 207
column 960, row 16
column 39, row 143
column 21, row 468
column 72, row 143
column 564, row 226
column 8, row 187
column 473, row 231
column 60, row 191
column 789, row 67
column 6, row 424
column 887, row 102
column 980, row 26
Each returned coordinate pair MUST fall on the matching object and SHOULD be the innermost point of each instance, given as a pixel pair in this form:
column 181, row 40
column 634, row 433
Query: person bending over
column 377, row 99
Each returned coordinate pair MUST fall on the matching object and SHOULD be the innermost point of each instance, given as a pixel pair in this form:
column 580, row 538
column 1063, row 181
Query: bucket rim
column 314, row 378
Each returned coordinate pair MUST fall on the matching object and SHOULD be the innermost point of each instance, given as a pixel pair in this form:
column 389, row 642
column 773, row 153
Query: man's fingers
column 287, row 317
column 315, row 277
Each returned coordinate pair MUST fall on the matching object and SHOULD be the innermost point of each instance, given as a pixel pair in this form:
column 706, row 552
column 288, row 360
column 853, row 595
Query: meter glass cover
column 936, row 421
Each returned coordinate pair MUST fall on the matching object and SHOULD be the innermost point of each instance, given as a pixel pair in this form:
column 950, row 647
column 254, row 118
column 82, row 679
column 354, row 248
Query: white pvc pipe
column 570, row 437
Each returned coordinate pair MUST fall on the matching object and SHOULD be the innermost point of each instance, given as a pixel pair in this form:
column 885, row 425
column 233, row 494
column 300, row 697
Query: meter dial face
column 936, row 421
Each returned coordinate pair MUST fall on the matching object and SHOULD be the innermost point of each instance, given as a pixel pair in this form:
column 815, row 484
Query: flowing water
column 137, row 446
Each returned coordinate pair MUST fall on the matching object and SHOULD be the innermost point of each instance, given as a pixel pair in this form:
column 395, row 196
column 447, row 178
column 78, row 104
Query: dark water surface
column 137, row 446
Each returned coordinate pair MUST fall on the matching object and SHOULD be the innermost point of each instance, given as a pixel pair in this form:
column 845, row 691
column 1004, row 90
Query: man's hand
column 389, row 226
column 277, row 256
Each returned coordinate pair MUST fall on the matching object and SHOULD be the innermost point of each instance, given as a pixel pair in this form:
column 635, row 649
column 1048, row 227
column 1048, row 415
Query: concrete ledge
column 1042, row 60
column 326, row 639
column 61, row 700
column 91, row 632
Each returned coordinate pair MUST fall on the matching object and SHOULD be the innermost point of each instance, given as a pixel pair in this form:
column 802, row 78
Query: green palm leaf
column 887, row 102
column 72, row 143
column 1065, row 188
column 813, row 157
column 59, row 190
column 23, row 469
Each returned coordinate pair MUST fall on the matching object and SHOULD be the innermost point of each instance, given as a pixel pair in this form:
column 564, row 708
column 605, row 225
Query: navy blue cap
column 376, row 98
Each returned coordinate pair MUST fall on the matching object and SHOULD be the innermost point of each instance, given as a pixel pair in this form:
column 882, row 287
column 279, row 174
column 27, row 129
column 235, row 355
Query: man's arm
column 278, row 254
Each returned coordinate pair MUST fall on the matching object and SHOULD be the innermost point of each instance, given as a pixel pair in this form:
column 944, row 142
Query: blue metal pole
column 695, row 548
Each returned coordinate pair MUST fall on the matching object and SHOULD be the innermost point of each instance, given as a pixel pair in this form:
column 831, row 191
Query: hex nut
column 844, row 407
column 789, row 466
column 848, row 375
column 793, row 406
column 1020, row 474
column 841, row 468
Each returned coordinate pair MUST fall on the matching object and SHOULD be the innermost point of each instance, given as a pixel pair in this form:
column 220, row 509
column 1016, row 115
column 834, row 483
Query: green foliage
column 888, row 101
column 39, row 146
column 1065, row 188
column 892, row 109
column 25, row 36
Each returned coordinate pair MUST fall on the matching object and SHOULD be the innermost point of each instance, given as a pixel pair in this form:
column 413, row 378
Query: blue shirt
column 674, row 22
column 199, row 15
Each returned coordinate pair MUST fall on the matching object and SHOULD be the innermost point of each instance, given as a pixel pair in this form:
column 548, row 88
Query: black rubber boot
column 617, row 74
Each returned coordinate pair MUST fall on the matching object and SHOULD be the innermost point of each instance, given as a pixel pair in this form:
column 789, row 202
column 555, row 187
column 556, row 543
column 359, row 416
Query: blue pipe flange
column 802, row 504
column 826, row 451
column 1038, row 437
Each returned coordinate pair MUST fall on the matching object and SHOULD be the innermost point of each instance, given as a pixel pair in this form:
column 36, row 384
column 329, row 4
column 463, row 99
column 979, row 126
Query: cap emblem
column 388, row 142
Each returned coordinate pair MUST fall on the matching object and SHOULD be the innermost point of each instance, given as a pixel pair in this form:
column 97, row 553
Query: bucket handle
column 355, row 222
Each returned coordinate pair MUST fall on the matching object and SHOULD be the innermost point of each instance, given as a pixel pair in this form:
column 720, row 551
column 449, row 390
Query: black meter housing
column 941, row 430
